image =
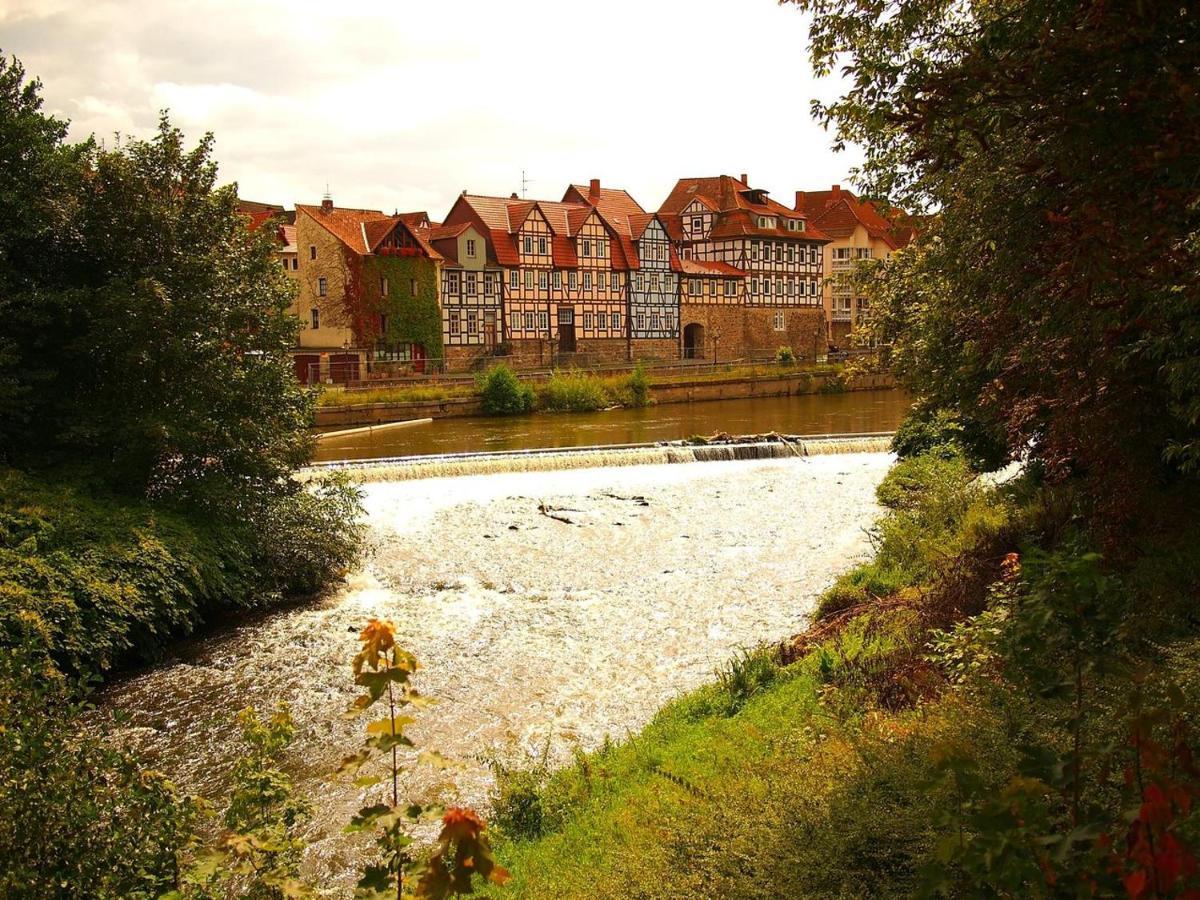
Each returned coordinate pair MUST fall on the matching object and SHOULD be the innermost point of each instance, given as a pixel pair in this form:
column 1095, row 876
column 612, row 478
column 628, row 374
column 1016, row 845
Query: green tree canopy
column 1053, row 300
column 147, row 327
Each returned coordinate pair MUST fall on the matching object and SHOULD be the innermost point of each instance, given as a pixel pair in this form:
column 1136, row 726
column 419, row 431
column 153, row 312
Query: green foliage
column 785, row 357
column 416, row 319
column 503, row 394
column 1065, row 334
column 258, row 856
column 77, row 816
column 572, row 392
column 747, row 673
column 943, row 432
column 639, row 386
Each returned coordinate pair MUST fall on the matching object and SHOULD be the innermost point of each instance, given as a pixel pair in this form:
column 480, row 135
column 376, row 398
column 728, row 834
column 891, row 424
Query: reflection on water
column 856, row 411
column 535, row 633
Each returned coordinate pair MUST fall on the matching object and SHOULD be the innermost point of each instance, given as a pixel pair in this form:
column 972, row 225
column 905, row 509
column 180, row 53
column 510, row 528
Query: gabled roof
column 738, row 207
column 363, row 230
column 613, row 203
column 287, row 237
column 838, row 212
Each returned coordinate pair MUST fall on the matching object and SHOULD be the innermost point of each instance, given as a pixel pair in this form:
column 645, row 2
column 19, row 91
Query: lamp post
column 716, row 339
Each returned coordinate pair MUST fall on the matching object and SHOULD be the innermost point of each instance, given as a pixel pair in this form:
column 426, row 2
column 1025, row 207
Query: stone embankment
column 682, row 391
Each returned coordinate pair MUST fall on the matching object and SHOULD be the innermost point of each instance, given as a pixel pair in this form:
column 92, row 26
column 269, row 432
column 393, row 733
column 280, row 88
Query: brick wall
column 657, row 349
column 462, row 359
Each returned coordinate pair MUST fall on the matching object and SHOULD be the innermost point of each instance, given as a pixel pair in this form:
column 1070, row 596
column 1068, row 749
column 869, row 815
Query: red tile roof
column 838, row 212
column 363, row 230
column 613, row 203
column 738, row 208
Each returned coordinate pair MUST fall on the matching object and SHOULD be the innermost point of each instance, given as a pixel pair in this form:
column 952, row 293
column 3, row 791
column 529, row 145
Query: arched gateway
column 693, row 341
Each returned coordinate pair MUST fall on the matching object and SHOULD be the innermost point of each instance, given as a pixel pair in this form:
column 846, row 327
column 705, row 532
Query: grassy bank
column 612, row 390
column 920, row 739
column 100, row 579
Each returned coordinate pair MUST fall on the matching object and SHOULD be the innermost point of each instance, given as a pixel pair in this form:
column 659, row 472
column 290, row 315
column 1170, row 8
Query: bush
column 77, row 817
column 785, row 357
column 574, row 392
column 639, row 386
column 503, row 394
column 942, row 432
column 747, row 673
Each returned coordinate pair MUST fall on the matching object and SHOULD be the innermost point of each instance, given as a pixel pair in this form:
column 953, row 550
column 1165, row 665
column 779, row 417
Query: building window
column 322, row 287
column 489, row 284
column 730, row 287
column 529, row 279
column 557, row 280
column 543, row 279
column 451, row 282
column 587, row 321
column 791, row 253
column 315, row 315
column 655, row 322
column 766, row 285
column 285, row 265
column 572, row 280
column 528, row 244
column 754, row 249
column 754, row 286
column 603, row 281
column 413, row 287
column 543, row 320
column 383, row 286
column 587, row 281
column 471, row 284
column 542, row 246
column 472, row 321
column 780, row 324
column 654, row 282
column 455, row 323
column 697, row 223
column 616, row 321
column 312, row 251
column 295, row 263
column 587, row 248
column 529, row 320
column 640, row 321
column 383, row 325
column 471, row 247
column 694, row 286
column 812, row 288
column 779, row 286
column 513, row 280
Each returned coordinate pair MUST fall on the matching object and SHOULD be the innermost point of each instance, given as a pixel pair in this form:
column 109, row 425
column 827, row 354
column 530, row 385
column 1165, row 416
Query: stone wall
column 657, row 349
column 750, row 331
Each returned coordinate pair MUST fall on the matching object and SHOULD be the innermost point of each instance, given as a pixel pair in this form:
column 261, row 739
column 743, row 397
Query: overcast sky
column 404, row 104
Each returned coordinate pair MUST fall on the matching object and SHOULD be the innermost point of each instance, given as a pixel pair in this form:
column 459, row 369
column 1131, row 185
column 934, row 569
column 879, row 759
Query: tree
column 1054, row 298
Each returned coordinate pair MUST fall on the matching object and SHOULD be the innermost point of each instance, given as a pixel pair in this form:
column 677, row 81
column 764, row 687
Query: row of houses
column 720, row 271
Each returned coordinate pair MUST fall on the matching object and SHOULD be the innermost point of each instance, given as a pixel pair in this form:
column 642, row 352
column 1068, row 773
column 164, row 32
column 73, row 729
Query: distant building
column 762, row 260
column 651, row 279
column 858, row 231
column 368, row 286
column 562, row 277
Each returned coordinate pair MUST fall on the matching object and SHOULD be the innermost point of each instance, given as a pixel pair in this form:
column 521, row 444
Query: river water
column 536, row 635
column 857, row 411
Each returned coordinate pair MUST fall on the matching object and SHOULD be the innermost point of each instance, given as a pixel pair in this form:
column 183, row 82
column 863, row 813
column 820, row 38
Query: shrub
column 785, row 357
column 503, row 394
column 77, row 817
column 747, row 673
column 639, row 386
column 942, row 432
column 573, row 392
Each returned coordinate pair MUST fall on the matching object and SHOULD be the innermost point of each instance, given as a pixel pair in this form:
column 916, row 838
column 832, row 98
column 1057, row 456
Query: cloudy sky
column 404, row 104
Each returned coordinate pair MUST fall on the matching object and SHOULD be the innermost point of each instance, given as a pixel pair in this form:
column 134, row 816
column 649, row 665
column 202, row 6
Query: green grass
column 425, row 393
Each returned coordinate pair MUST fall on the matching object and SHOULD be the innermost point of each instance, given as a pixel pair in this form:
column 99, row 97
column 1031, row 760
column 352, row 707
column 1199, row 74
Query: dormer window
column 795, row 225
column 766, row 222
column 471, row 247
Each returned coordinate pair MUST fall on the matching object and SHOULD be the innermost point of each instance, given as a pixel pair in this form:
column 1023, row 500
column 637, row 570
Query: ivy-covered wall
column 411, row 319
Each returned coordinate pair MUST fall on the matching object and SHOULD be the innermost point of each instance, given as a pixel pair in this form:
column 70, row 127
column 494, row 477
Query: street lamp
column 716, row 338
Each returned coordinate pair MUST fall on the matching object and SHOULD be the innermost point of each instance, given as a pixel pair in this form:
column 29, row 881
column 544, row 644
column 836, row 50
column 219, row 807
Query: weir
column 771, row 446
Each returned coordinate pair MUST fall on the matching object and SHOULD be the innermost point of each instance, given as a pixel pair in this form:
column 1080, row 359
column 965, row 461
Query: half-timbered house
column 562, row 290
column 472, row 314
column 652, row 275
column 778, row 301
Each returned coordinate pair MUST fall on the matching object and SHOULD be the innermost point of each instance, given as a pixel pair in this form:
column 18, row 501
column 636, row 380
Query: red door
column 307, row 367
column 418, row 358
column 343, row 368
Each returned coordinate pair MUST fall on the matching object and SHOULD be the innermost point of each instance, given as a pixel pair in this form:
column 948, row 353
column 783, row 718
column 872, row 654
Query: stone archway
column 693, row 341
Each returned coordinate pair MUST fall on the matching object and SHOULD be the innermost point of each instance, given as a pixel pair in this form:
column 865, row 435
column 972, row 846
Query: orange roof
column 738, row 207
column 614, row 203
column 838, row 212
column 363, row 230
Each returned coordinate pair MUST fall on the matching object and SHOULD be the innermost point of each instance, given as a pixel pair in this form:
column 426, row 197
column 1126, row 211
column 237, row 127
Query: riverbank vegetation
column 1004, row 700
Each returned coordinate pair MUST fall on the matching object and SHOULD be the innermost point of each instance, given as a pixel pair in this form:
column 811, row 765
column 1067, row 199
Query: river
column 857, row 411
column 536, row 635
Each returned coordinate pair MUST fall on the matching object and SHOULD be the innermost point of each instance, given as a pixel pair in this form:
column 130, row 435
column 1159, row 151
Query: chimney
column 799, row 201
column 326, row 204
column 514, row 196
column 594, row 191
column 836, row 193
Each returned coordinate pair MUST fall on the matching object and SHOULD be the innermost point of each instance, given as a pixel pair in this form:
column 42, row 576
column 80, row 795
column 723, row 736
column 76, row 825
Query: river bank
column 528, row 656
column 683, row 390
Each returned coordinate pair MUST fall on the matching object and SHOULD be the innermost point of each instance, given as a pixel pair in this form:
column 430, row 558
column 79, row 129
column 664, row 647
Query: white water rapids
column 534, row 633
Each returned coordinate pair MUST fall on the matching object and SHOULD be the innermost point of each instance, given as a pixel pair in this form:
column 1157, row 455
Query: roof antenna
column 524, row 184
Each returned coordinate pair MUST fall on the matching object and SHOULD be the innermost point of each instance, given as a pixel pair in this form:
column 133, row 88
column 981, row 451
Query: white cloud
column 405, row 104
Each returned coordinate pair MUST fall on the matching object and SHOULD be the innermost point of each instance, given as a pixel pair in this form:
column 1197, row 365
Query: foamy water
column 536, row 634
